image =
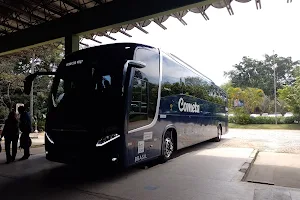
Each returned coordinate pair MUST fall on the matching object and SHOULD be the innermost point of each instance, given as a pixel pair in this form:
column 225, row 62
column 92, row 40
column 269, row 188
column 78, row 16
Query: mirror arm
column 28, row 80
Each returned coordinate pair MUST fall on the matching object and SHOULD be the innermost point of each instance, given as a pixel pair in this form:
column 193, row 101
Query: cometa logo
column 188, row 107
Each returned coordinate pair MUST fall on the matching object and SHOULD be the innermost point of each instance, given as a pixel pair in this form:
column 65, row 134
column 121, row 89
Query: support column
column 71, row 44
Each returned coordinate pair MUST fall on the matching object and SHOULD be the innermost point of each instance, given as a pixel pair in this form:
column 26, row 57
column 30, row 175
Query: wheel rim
column 169, row 147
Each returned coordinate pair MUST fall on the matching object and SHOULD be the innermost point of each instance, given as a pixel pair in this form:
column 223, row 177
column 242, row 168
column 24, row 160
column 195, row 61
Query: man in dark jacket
column 11, row 135
column 26, row 128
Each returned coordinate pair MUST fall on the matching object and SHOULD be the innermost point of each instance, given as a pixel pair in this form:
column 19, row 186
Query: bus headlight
column 106, row 139
column 48, row 137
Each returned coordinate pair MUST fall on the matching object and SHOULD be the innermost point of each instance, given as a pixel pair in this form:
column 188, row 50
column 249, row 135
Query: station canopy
column 26, row 24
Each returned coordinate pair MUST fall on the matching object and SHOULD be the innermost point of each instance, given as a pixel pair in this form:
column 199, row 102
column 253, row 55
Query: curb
column 253, row 156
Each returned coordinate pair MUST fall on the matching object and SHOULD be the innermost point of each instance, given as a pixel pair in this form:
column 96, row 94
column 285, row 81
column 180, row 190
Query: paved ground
column 278, row 161
column 279, row 141
column 206, row 171
column 281, row 169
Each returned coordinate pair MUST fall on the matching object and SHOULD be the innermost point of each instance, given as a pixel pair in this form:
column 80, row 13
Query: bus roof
column 132, row 46
column 117, row 45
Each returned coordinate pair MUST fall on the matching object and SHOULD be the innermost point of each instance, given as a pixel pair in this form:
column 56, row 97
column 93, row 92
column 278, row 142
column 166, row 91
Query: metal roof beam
column 180, row 19
column 72, row 4
column 108, row 36
column 18, row 20
column 136, row 25
column 124, row 33
column 87, row 21
column 84, row 44
column 47, row 7
column 9, row 26
column 258, row 4
column 159, row 24
column 204, row 15
column 229, row 8
column 21, row 11
column 95, row 40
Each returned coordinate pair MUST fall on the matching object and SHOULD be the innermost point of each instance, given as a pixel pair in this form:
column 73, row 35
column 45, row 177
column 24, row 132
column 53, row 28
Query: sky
column 214, row 46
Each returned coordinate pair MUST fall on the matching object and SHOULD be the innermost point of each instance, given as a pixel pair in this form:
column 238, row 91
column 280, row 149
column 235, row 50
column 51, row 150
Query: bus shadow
column 209, row 144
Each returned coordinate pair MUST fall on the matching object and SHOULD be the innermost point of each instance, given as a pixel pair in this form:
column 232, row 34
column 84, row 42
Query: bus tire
column 167, row 147
column 219, row 134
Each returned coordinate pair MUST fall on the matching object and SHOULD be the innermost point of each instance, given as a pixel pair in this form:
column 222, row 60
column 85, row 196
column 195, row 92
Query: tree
column 253, row 99
column 226, row 86
column 260, row 74
column 233, row 94
column 290, row 94
column 296, row 71
column 265, row 106
column 281, row 107
column 14, row 69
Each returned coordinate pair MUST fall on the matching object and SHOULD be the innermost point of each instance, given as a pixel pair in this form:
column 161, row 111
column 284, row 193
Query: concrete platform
column 202, row 172
column 279, row 169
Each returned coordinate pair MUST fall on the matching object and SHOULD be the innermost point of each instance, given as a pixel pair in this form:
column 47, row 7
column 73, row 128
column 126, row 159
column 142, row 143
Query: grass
column 266, row 126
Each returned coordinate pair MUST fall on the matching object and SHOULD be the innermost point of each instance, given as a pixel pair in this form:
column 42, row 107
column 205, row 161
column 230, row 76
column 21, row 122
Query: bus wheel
column 168, row 147
column 219, row 131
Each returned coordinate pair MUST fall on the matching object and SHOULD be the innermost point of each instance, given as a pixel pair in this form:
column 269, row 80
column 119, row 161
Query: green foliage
column 240, row 119
column 272, row 120
column 226, row 86
column 260, row 74
column 3, row 112
column 291, row 96
column 296, row 71
column 14, row 69
column 240, row 116
column 252, row 97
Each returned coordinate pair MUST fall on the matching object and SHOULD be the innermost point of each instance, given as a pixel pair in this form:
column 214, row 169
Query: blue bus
column 128, row 103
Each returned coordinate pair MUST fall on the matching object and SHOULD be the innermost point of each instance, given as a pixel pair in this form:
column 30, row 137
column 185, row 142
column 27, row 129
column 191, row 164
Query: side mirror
column 29, row 79
column 28, row 83
column 136, row 64
column 132, row 64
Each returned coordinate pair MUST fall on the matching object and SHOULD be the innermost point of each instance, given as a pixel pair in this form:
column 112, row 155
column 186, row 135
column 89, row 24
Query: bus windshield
column 81, row 86
column 81, row 94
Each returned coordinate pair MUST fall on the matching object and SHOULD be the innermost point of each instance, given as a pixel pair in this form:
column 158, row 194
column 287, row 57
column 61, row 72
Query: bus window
column 145, row 89
column 139, row 102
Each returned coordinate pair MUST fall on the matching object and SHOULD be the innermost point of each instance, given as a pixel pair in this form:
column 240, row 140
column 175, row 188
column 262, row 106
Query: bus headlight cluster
column 106, row 139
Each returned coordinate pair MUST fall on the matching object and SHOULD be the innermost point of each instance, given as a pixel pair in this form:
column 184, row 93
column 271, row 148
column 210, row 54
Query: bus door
column 139, row 137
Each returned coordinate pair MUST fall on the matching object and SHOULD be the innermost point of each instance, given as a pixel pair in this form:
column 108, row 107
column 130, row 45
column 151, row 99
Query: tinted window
column 144, row 89
column 178, row 79
column 91, row 90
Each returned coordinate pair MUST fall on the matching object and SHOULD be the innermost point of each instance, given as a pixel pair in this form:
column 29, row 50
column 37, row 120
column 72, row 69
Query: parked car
column 277, row 115
column 254, row 115
column 288, row 114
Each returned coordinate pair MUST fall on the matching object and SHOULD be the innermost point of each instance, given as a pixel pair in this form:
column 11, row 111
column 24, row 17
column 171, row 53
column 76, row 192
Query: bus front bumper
column 83, row 153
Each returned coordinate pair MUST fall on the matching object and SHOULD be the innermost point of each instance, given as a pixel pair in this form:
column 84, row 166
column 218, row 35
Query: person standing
column 11, row 134
column 26, row 128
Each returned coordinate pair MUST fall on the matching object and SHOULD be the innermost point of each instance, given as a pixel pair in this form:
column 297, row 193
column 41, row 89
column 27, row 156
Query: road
column 209, row 171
